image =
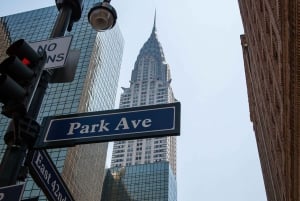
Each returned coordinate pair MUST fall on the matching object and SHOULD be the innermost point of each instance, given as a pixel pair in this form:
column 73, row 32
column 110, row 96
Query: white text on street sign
column 103, row 126
column 45, row 174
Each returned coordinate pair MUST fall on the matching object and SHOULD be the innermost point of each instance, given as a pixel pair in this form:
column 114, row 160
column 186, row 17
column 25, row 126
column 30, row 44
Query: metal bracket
column 25, row 131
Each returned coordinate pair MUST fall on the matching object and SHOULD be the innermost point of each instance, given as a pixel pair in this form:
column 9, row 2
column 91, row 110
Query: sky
column 217, row 155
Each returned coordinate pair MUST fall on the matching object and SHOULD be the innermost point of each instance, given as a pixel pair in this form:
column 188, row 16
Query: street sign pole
column 11, row 169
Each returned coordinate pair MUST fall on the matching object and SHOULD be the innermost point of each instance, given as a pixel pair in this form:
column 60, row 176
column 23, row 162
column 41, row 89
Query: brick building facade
column 271, row 51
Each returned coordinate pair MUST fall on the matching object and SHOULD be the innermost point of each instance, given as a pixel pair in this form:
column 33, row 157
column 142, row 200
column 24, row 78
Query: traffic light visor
column 24, row 52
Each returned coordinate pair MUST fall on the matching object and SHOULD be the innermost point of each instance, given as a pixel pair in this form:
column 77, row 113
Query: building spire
column 154, row 24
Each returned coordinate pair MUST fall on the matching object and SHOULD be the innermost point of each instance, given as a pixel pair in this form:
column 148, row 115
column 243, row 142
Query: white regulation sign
column 56, row 48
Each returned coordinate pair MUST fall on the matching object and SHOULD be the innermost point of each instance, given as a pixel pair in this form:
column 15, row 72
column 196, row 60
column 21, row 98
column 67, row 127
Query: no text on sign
column 56, row 48
column 122, row 124
column 11, row 193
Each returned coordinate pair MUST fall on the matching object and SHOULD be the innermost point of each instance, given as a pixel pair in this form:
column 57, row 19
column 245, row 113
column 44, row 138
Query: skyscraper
column 270, row 46
column 94, row 88
column 146, row 182
column 149, row 84
column 5, row 39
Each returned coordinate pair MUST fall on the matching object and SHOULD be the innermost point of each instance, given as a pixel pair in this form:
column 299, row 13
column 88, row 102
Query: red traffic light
column 24, row 52
column 16, row 69
column 26, row 61
column 19, row 77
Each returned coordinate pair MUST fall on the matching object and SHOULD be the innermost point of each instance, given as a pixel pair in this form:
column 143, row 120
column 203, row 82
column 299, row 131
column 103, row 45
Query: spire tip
column 154, row 24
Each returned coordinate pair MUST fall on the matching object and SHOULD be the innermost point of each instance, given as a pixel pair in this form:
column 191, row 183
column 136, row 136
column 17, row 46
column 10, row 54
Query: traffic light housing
column 19, row 77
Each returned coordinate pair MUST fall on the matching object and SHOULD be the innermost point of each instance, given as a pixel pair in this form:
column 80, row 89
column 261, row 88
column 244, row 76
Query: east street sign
column 112, row 125
column 56, row 48
column 11, row 193
column 45, row 174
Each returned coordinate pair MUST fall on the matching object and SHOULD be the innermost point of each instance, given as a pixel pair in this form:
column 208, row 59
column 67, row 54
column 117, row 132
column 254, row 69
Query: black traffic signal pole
column 15, row 155
column 59, row 29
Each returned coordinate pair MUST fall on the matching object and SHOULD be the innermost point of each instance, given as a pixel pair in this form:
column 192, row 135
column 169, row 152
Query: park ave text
column 102, row 126
column 124, row 124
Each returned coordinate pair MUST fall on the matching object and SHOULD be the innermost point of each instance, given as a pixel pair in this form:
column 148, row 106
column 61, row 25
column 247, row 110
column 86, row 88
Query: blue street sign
column 45, row 174
column 11, row 193
column 123, row 124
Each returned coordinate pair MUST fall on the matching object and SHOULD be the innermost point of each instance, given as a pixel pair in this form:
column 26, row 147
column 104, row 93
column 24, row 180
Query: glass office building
column 94, row 88
column 145, row 182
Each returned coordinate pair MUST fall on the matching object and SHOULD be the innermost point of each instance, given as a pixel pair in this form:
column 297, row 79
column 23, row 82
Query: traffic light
column 19, row 77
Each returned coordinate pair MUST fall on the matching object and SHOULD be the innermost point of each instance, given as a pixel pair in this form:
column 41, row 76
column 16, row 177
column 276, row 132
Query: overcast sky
column 217, row 152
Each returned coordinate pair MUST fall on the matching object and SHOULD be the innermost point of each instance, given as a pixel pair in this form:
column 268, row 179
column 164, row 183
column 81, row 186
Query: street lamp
column 102, row 16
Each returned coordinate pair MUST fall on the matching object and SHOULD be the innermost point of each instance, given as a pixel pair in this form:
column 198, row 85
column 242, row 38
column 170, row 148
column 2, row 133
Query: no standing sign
column 56, row 48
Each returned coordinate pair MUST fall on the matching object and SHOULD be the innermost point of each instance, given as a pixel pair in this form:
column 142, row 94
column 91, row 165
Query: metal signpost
column 11, row 193
column 47, row 177
column 123, row 124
